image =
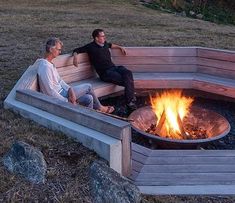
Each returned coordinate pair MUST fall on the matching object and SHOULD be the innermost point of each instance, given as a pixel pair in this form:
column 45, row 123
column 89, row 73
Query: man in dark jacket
column 100, row 57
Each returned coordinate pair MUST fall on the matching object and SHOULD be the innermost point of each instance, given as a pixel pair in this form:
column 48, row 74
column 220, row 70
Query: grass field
column 25, row 26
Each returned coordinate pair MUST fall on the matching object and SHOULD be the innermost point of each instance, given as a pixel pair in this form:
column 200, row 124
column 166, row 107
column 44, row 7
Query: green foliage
column 218, row 11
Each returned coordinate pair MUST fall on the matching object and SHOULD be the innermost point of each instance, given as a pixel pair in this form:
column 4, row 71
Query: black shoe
column 132, row 106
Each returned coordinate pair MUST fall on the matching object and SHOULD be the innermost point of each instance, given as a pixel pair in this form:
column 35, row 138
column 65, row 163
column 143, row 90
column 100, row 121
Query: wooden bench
column 110, row 138
column 209, row 70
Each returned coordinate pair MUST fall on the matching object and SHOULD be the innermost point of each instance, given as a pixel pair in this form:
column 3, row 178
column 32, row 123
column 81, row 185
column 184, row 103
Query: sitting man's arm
column 72, row 96
column 78, row 50
column 115, row 46
column 46, row 84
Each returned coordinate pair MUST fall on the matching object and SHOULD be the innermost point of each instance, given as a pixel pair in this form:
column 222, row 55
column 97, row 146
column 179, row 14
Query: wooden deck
column 194, row 172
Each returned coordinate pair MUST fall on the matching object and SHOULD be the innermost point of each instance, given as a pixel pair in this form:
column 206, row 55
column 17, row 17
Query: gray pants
column 85, row 96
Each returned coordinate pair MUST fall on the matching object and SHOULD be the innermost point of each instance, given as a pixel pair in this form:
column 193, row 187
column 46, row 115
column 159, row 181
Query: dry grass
column 25, row 25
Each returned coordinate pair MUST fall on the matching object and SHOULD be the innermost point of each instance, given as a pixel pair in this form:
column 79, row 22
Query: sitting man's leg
column 87, row 97
column 122, row 76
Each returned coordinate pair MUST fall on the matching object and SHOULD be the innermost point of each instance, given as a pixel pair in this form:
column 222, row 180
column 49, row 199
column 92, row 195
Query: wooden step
column 183, row 171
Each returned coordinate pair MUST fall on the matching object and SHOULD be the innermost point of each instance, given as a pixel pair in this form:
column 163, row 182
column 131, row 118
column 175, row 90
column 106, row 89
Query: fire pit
column 173, row 122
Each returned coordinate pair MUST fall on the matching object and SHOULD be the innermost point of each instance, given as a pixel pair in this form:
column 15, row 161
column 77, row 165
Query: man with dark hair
column 51, row 83
column 100, row 57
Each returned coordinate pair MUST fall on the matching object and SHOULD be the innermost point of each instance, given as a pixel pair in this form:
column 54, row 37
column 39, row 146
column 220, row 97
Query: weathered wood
column 163, row 80
column 126, row 152
column 156, row 51
column 222, row 73
column 185, row 178
column 215, row 85
column 223, row 55
column 189, row 168
column 227, row 65
column 137, row 166
column 191, row 153
column 78, row 114
column 144, row 60
column 101, row 88
column 162, row 68
column 189, row 160
column 188, row 190
column 69, row 70
column 140, row 149
column 139, row 157
column 67, row 60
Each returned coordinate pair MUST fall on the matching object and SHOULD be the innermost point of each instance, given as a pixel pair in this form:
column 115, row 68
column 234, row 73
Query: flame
column 175, row 106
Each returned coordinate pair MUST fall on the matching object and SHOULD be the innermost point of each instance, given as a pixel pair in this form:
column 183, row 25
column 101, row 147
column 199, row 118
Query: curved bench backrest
column 216, row 62
column 158, row 59
column 70, row 73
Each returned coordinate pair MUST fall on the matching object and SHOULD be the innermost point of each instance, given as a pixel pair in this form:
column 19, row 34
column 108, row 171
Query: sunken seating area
column 208, row 70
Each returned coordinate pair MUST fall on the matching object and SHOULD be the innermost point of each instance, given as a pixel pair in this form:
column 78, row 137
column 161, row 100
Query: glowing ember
column 170, row 108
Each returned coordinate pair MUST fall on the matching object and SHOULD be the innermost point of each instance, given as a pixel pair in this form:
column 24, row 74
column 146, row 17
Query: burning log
column 182, row 131
column 161, row 123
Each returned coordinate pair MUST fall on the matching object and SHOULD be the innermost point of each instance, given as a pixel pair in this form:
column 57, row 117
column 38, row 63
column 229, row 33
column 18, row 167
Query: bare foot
column 107, row 109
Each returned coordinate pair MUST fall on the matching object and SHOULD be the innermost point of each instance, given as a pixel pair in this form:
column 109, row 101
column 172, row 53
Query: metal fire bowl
column 216, row 127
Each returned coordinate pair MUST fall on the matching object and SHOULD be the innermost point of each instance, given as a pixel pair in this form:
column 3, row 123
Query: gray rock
column 199, row 16
column 26, row 161
column 108, row 186
column 192, row 13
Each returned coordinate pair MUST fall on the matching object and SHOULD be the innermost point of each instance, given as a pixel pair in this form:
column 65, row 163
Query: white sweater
column 49, row 80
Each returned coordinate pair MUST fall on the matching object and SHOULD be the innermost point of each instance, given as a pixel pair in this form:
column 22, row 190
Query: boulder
column 26, row 161
column 109, row 186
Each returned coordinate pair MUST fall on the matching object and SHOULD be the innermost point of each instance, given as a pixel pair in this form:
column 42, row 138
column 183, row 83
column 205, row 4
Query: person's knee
column 87, row 101
column 88, row 86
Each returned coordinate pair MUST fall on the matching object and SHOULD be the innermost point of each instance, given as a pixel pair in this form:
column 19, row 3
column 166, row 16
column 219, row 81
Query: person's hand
column 123, row 50
column 75, row 60
column 72, row 96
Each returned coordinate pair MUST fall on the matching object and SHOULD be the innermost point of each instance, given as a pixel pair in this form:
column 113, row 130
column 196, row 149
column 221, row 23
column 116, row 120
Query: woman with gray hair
column 51, row 83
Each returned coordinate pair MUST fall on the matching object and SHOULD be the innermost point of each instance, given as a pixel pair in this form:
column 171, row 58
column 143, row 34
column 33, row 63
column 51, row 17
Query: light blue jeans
column 85, row 95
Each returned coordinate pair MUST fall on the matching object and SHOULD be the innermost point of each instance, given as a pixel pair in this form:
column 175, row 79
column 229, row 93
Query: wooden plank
column 143, row 60
column 78, row 114
column 188, row 190
column 139, row 157
column 185, row 179
column 77, row 76
column 224, row 55
column 224, row 73
column 189, row 160
column 156, row 51
column 173, row 68
column 27, row 81
column 212, row 87
column 137, row 166
column 126, row 151
column 67, row 59
column 133, row 175
column 163, row 80
column 163, row 76
column 101, row 88
column 213, row 79
column 163, row 84
column 107, row 90
column 67, row 70
column 141, row 149
column 176, row 153
column 189, row 168
column 216, row 63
